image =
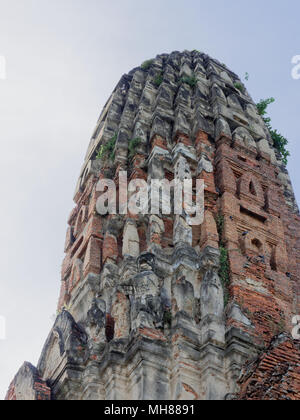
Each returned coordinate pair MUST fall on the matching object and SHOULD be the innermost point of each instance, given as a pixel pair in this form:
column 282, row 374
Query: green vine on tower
column 224, row 271
column 280, row 142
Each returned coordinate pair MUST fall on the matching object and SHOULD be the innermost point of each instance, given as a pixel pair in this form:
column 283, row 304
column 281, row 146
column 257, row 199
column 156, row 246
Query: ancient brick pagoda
column 150, row 307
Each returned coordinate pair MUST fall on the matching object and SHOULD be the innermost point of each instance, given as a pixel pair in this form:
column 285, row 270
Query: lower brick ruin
column 150, row 307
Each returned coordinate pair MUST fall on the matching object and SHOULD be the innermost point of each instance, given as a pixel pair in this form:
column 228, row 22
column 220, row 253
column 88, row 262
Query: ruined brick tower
column 151, row 308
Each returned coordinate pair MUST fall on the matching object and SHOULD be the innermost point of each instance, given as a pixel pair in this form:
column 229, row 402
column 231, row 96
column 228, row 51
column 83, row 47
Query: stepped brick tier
column 148, row 309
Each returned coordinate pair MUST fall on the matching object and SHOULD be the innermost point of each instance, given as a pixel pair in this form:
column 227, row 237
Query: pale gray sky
column 64, row 58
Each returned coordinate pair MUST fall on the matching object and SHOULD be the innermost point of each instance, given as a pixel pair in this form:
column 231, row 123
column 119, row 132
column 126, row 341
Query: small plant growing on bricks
column 190, row 80
column 108, row 149
column 158, row 80
column 133, row 145
column 240, row 87
column 280, row 142
column 224, row 271
column 147, row 64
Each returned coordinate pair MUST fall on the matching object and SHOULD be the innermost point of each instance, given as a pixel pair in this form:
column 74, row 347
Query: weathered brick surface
column 256, row 226
column 275, row 374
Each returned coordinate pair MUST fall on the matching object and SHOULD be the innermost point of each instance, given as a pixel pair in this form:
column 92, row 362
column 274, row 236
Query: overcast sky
column 64, row 57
